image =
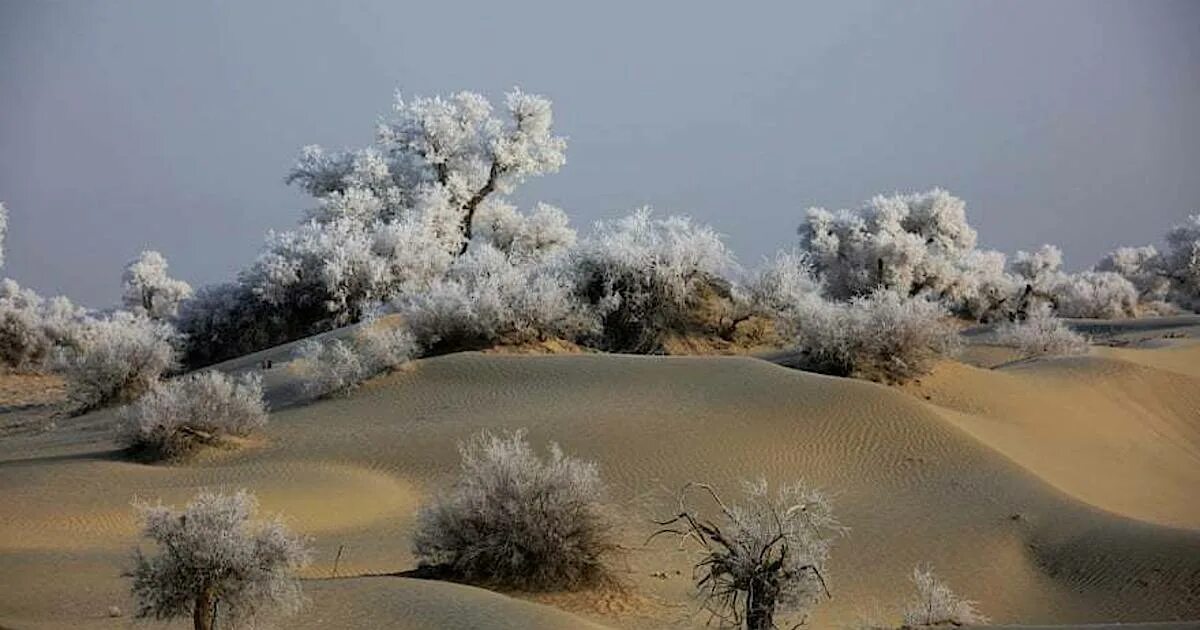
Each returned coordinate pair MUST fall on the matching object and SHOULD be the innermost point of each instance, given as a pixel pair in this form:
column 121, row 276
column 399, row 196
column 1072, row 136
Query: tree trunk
column 760, row 608
column 204, row 614
column 469, row 209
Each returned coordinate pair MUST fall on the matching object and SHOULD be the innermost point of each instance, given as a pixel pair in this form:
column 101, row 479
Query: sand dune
column 1054, row 491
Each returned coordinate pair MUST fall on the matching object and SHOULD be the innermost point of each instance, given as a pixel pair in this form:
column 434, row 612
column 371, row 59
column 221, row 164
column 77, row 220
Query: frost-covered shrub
column 517, row 520
column 763, row 556
column 329, row 367
column 148, row 290
column 213, row 556
column 545, row 231
column 911, row 244
column 33, row 330
column 1040, row 333
column 337, row 366
column 488, row 297
column 1096, row 294
column 784, row 288
column 647, row 278
column 117, row 359
column 179, row 415
column 881, row 336
column 936, row 605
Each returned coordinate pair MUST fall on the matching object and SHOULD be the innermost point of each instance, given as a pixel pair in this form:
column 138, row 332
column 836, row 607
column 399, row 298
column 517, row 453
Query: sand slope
column 1055, row 491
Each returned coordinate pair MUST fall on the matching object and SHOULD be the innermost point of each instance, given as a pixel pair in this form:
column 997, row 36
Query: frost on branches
column 446, row 155
column 148, row 290
column 214, row 560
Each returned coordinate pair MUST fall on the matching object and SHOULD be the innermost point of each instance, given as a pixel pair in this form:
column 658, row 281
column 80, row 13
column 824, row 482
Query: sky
column 127, row 126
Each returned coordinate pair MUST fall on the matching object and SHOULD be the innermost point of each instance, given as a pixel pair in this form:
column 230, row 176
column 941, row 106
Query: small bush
column 118, row 359
column 765, row 554
column 517, row 520
column 1041, row 333
column 936, row 605
column 333, row 367
column 175, row 417
column 212, row 554
column 882, row 336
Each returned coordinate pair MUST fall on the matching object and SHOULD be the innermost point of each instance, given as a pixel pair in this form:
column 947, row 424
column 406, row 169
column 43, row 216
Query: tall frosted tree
column 148, row 290
column 443, row 157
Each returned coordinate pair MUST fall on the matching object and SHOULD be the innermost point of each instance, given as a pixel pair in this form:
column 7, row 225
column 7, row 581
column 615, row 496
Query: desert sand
column 1052, row 491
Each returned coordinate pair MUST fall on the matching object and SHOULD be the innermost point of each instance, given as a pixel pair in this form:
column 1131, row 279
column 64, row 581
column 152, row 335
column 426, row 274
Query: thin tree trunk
column 204, row 613
column 760, row 608
column 473, row 203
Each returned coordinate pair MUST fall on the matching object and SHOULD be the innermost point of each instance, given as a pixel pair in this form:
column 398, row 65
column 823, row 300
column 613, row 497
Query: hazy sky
column 133, row 125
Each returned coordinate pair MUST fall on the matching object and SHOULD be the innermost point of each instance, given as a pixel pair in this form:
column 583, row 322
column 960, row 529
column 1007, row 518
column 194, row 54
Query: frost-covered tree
column 649, row 277
column 1143, row 266
column 516, row 519
column 175, row 417
column 1096, row 294
column 1182, row 262
column 763, row 556
column 490, row 297
column 1163, row 278
column 785, row 289
column 917, row 244
column 147, row 289
column 214, row 561
column 936, row 605
column 453, row 150
column 117, row 358
column 389, row 221
column 1092, row 294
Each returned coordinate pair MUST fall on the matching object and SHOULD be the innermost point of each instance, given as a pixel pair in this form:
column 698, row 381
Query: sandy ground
column 1056, row 491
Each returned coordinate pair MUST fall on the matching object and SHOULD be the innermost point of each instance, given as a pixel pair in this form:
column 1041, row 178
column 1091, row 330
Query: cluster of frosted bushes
column 33, row 330
column 487, row 297
column 175, row 417
column 330, row 367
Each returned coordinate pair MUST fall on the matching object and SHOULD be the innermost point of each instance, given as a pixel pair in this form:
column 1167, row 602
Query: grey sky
column 133, row 125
